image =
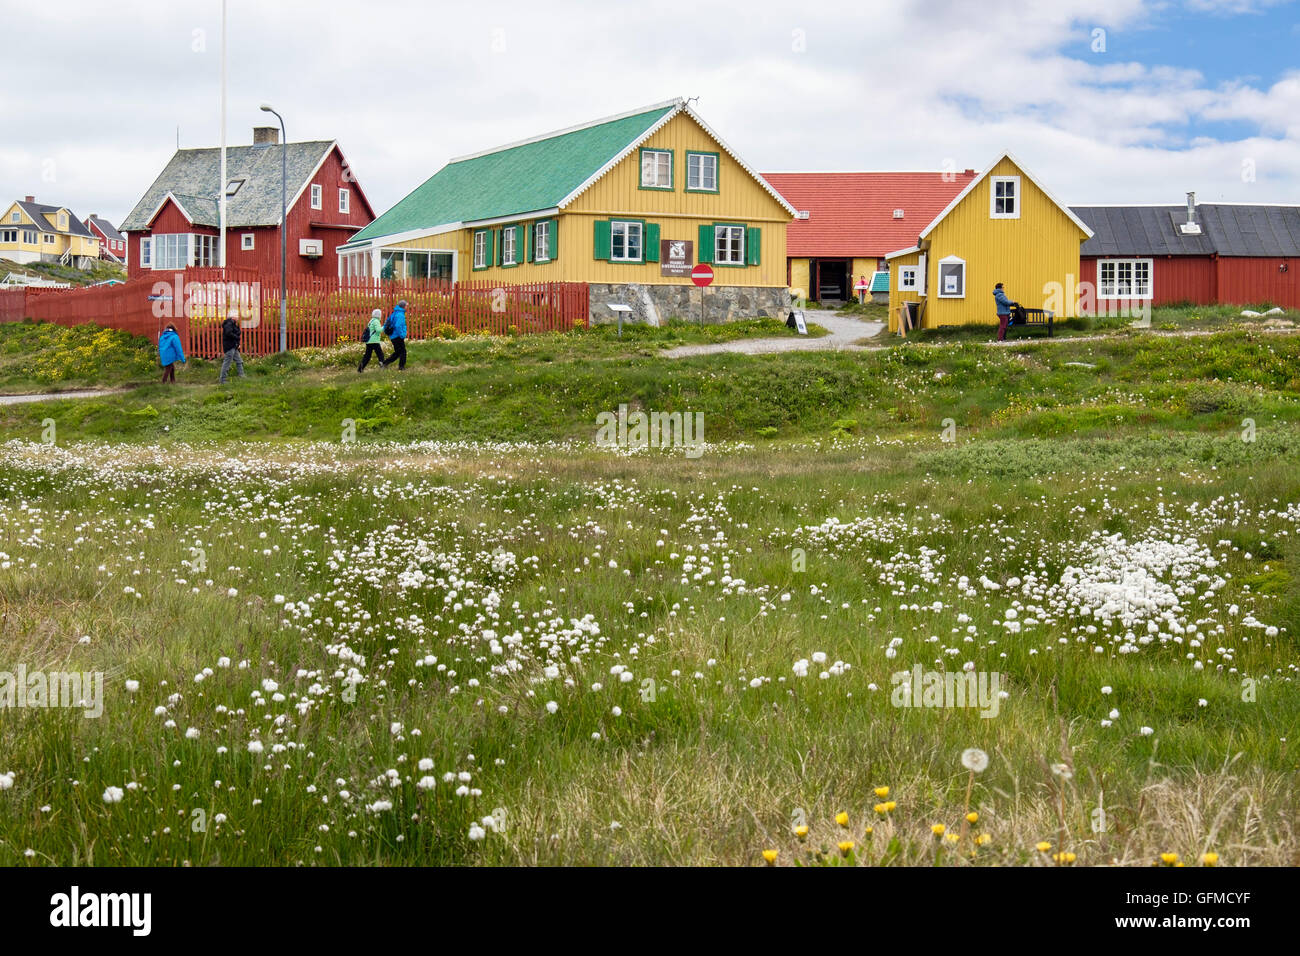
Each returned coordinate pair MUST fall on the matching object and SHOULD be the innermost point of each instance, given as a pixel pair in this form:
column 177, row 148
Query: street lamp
column 284, row 228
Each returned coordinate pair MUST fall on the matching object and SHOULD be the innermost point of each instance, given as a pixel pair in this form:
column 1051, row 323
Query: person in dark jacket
column 374, row 333
column 1005, row 306
column 395, row 329
column 170, row 351
column 230, row 333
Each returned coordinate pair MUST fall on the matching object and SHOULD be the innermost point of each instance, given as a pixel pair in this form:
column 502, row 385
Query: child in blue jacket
column 170, row 351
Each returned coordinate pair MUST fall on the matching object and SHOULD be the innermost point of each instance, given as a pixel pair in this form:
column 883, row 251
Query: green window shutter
column 600, row 240
column 488, row 247
column 553, row 239
column 529, row 241
column 704, row 248
column 753, row 246
column 652, row 242
column 500, row 244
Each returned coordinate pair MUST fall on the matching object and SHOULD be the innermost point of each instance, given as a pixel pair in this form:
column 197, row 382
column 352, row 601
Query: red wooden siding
column 1249, row 281
column 321, row 312
column 1213, row 280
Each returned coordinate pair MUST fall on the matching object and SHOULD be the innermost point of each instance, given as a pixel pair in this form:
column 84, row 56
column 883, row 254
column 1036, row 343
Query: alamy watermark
column 39, row 690
column 921, row 688
column 637, row 431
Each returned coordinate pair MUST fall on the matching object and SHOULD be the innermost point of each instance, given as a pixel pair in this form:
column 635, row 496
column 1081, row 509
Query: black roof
column 1227, row 229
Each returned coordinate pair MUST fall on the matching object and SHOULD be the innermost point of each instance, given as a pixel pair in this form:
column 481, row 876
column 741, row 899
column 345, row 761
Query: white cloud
column 822, row 85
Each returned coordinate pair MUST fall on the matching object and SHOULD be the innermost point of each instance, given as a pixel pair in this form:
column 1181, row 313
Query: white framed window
column 909, row 279
column 1004, row 197
column 146, row 252
column 316, row 195
column 509, row 246
column 541, row 242
column 246, row 241
column 729, row 245
column 952, row 278
column 1124, row 279
column 171, row 251
column 9, row 235
column 625, row 241
column 702, row 172
column 345, row 200
column 205, row 250
column 656, row 169
column 480, row 249
column 16, row 217
column 49, row 239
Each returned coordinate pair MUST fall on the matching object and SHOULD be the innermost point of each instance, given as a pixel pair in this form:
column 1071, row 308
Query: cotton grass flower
column 114, row 794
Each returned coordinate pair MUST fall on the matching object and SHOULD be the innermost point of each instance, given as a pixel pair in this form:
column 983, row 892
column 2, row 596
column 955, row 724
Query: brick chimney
column 29, row 199
column 266, row 135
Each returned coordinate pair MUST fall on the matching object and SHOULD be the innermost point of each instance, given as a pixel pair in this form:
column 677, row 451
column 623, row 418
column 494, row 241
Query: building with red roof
column 847, row 222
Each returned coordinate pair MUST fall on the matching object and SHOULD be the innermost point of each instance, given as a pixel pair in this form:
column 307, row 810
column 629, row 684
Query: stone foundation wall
column 656, row 304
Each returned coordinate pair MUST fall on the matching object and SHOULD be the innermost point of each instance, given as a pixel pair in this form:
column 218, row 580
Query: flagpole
column 221, row 247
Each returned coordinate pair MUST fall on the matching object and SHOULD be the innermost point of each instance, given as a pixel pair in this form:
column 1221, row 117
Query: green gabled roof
column 535, row 174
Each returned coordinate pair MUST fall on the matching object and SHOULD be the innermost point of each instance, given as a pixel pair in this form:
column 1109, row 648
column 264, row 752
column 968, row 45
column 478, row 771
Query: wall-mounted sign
column 676, row 257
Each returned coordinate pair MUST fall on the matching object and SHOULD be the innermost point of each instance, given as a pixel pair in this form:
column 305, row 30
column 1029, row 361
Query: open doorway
column 829, row 279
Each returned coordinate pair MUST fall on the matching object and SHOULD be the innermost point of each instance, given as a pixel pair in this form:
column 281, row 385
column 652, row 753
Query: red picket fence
column 320, row 312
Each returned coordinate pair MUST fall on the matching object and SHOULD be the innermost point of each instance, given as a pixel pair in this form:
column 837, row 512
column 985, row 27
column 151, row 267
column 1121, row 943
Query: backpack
column 365, row 331
column 388, row 326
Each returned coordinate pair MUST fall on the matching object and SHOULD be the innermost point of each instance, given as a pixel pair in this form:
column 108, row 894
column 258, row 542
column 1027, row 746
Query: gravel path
column 845, row 332
column 51, row 396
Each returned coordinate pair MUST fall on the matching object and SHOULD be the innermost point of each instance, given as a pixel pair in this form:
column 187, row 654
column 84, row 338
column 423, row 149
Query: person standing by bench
column 1005, row 306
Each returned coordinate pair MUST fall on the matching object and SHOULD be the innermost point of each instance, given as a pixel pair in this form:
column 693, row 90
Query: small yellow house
column 628, row 204
column 1005, row 226
column 35, row 232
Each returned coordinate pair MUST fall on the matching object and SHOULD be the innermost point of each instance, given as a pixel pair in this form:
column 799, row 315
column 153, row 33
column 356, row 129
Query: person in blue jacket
column 170, row 352
column 1005, row 306
column 395, row 329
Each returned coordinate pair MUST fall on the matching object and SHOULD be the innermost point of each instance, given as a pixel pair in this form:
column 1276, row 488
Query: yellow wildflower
column 801, row 832
column 882, row 792
column 1210, row 859
column 846, row 847
column 938, row 829
column 770, row 856
column 972, row 817
column 982, row 839
column 1168, row 859
column 842, row 818
column 1044, row 847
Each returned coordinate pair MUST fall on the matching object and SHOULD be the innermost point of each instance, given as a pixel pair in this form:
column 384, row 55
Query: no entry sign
column 702, row 275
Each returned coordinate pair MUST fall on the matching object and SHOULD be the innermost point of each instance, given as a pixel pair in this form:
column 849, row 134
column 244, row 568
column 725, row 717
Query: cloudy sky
column 1106, row 100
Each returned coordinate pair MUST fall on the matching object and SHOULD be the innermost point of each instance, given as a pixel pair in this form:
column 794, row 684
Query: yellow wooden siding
column 1027, row 255
column 799, row 275
column 897, row 298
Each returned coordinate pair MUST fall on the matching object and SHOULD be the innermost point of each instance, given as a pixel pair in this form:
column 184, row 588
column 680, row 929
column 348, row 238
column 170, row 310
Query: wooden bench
column 1026, row 317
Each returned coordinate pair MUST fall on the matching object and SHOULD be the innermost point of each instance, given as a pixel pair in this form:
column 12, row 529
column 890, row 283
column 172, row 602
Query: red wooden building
column 1206, row 254
column 112, row 244
column 175, row 225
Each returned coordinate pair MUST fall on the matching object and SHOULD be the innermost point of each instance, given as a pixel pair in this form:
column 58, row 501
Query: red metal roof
column 852, row 214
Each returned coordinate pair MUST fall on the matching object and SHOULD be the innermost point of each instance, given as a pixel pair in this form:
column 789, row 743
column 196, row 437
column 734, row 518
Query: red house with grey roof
column 175, row 225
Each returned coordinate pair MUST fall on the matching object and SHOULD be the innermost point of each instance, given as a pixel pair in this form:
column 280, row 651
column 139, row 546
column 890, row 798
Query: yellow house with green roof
column 628, row 204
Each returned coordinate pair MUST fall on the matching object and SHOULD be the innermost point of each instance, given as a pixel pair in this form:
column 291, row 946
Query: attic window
column 1004, row 197
column 232, row 187
column 898, row 214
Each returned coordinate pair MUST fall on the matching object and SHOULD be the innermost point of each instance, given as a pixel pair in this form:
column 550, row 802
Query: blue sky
column 1189, row 94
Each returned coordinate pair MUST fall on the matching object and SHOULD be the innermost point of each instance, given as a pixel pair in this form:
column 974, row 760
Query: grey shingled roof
column 106, row 227
column 193, row 176
column 1226, row 230
column 37, row 210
